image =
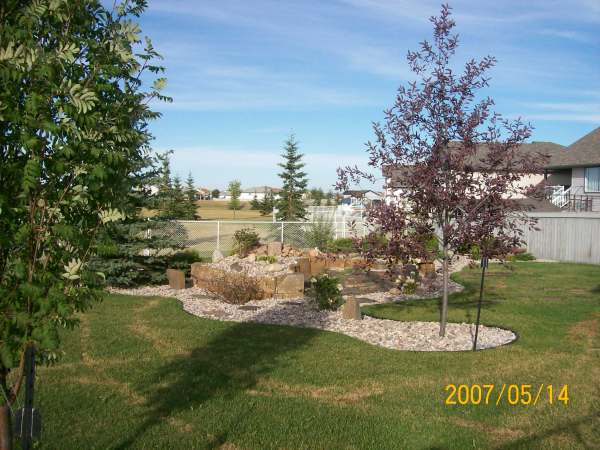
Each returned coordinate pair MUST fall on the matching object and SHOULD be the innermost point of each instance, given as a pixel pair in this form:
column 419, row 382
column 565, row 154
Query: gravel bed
column 413, row 336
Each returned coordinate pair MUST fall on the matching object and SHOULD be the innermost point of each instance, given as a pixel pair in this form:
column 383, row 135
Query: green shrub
column 319, row 234
column 245, row 240
column 409, row 286
column 326, row 292
column 341, row 245
column 521, row 257
column 139, row 253
column 269, row 259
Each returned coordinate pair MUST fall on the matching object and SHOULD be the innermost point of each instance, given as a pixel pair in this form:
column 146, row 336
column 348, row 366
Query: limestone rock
column 351, row 309
column 251, row 257
column 274, row 249
column 217, row 256
column 290, row 285
column 176, row 279
column 303, row 266
column 275, row 267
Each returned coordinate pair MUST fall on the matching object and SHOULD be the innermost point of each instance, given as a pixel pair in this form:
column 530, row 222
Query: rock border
column 300, row 312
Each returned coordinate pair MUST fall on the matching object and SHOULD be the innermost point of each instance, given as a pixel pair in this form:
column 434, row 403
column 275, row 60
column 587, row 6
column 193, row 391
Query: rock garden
column 279, row 284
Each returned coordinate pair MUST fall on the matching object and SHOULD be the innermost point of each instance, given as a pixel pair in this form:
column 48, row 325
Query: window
column 592, row 179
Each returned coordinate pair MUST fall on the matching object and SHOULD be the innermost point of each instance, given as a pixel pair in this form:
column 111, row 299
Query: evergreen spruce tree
column 177, row 208
column 255, row 203
column 267, row 204
column 290, row 203
column 191, row 196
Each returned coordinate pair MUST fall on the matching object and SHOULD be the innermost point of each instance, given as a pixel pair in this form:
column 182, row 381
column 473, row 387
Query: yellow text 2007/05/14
column 511, row 394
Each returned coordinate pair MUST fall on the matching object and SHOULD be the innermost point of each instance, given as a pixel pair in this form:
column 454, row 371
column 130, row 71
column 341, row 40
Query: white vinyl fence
column 207, row 235
column 564, row 236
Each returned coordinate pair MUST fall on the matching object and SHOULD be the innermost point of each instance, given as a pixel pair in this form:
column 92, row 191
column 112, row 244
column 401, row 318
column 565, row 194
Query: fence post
column 281, row 233
column 219, row 235
column 344, row 228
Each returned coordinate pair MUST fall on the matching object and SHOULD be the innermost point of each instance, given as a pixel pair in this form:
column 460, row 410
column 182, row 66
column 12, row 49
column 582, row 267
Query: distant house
column 258, row 192
column 363, row 197
column 203, row 193
column 570, row 176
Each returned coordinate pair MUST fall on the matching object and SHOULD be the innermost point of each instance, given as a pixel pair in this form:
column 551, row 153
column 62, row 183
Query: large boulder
column 351, row 309
column 176, row 278
column 290, row 285
column 318, row 265
column 274, row 248
column 217, row 256
column 303, row 266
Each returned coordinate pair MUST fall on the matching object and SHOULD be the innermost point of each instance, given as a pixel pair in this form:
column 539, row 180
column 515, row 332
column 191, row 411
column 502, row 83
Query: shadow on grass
column 572, row 428
column 229, row 364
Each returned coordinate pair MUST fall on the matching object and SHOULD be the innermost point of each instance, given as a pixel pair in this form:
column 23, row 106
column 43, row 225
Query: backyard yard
column 142, row 373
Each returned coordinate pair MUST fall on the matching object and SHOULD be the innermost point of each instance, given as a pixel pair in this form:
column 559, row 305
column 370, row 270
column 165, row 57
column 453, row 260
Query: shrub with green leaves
column 245, row 240
column 342, row 245
column 74, row 115
column 326, row 292
column 268, row 259
column 319, row 235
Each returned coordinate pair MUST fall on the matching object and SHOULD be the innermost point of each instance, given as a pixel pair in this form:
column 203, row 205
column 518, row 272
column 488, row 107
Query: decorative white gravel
column 412, row 336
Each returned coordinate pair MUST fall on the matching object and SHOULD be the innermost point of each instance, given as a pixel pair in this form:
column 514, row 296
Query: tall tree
column 73, row 129
column 191, row 198
column 458, row 162
column 215, row 193
column 267, row 204
column 235, row 190
column 290, row 204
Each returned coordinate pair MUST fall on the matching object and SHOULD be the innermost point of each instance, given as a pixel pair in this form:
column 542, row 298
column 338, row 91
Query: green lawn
column 141, row 373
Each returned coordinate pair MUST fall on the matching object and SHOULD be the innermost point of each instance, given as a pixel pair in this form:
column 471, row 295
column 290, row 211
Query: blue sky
column 244, row 74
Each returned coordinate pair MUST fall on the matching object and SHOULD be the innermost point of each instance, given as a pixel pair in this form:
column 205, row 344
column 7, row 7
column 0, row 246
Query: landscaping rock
column 318, row 265
column 303, row 266
column 351, row 309
column 176, row 279
column 251, row 257
column 275, row 267
column 274, row 249
column 217, row 256
column 267, row 286
column 260, row 251
column 336, row 262
column 290, row 286
column 314, row 253
column 392, row 334
column 395, row 291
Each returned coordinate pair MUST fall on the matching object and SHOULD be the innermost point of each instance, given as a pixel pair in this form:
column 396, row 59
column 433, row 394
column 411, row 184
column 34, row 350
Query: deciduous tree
column 73, row 129
column 235, row 190
column 457, row 161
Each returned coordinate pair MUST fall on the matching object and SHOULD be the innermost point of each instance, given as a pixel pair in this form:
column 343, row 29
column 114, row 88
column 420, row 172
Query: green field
column 141, row 373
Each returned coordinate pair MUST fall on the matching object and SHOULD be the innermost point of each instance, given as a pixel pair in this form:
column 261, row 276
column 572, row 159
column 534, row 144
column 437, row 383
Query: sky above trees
column 243, row 75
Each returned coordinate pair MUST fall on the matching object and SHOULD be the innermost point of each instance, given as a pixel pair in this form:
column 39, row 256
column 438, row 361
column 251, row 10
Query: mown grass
column 141, row 373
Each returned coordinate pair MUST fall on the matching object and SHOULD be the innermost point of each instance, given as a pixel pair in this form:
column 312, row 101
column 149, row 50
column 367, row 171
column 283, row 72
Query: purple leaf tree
column 453, row 166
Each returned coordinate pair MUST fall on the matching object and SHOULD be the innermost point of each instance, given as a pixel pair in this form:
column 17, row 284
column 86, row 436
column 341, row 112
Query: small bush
column 521, row 257
column 326, row 292
column 245, row 240
column 269, row 259
column 341, row 245
column 319, row 235
column 409, row 286
column 236, row 288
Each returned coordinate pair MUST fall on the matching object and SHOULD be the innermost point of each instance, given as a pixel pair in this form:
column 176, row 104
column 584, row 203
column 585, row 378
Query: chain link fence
column 207, row 236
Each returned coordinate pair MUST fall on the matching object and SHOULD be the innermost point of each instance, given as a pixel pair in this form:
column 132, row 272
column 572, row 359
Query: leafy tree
column 458, row 161
column 191, row 197
column 290, row 203
column 215, row 193
column 317, row 195
column 73, row 133
column 329, row 198
column 235, row 190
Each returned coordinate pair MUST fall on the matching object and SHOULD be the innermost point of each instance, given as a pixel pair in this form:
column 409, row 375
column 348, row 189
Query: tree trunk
column 5, row 428
column 5, row 422
column 444, row 311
